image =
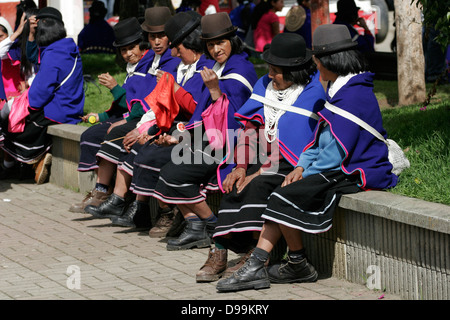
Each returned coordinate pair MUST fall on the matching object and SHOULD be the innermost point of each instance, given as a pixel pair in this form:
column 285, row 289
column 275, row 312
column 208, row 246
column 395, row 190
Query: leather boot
column 94, row 197
column 194, row 235
column 163, row 224
column 136, row 216
column 214, row 266
column 252, row 275
column 178, row 224
column 229, row 271
column 42, row 168
column 114, row 206
column 290, row 272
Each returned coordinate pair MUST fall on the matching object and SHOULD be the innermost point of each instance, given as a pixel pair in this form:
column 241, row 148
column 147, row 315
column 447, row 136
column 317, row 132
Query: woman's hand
column 130, row 139
column 33, row 25
column 19, row 29
column 143, row 138
column 236, row 176
column 107, row 80
column 211, row 82
column 86, row 117
column 116, row 124
column 294, row 175
column 166, row 140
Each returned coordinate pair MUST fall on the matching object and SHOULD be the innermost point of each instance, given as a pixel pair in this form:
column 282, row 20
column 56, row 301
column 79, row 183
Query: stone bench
column 388, row 242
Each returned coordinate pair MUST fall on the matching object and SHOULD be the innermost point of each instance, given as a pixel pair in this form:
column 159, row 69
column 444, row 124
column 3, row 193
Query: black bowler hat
column 331, row 38
column 127, row 31
column 217, row 25
column 180, row 26
column 50, row 12
column 155, row 19
column 287, row 50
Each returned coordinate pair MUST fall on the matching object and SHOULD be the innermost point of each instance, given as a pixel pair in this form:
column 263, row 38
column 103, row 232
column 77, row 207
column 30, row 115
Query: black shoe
column 114, row 206
column 194, row 235
column 252, row 275
column 290, row 272
column 9, row 173
column 136, row 216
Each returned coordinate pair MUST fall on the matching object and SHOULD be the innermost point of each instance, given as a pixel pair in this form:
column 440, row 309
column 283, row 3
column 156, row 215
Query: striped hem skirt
column 309, row 204
column 187, row 182
column 90, row 143
column 147, row 166
column 31, row 144
column 240, row 212
column 112, row 149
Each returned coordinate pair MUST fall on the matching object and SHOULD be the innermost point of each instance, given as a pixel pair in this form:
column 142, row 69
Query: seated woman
column 195, row 162
column 142, row 163
column 56, row 95
column 103, row 146
column 341, row 158
column 278, row 120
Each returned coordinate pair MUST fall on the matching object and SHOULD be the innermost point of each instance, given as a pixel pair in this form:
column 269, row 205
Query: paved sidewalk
column 44, row 247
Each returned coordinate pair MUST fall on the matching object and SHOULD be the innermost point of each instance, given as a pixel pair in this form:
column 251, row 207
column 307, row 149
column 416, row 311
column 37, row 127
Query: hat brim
column 44, row 15
column 184, row 32
column 152, row 29
column 334, row 48
column 220, row 34
column 269, row 58
column 127, row 40
column 295, row 18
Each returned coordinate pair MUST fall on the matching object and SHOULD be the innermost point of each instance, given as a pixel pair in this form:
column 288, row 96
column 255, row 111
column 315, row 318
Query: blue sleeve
column 325, row 155
column 32, row 52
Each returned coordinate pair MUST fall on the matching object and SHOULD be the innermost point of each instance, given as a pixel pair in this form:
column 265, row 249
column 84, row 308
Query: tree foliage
column 436, row 14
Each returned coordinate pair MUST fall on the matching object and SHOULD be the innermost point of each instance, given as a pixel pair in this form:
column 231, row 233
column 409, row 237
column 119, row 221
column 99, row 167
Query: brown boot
column 214, row 266
column 94, row 198
column 238, row 265
column 42, row 168
column 164, row 223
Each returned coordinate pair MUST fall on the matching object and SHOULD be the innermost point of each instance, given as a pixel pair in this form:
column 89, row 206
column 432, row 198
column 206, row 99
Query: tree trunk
column 320, row 13
column 410, row 58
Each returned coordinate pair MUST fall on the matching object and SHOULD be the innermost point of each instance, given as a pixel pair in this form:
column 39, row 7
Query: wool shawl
column 64, row 104
column 364, row 153
column 139, row 92
column 295, row 130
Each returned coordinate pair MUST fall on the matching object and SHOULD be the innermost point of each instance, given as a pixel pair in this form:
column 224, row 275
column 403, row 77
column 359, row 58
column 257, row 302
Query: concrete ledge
column 391, row 243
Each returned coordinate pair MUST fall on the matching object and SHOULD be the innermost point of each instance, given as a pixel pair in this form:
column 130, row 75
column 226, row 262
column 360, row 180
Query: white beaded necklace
column 272, row 115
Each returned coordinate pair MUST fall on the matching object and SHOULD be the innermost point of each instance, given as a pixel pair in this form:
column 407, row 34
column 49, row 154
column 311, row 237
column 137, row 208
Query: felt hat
column 180, row 26
column 155, row 19
column 97, row 9
column 50, row 12
column 331, row 38
column 346, row 6
column 217, row 25
column 287, row 50
column 127, row 31
column 295, row 18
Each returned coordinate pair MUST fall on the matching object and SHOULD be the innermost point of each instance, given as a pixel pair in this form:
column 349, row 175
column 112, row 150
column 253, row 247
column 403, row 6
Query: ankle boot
column 136, row 216
column 178, row 224
column 229, row 271
column 214, row 266
column 252, row 275
column 94, row 198
column 114, row 206
column 194, row 235
column 289, row 272
column 163, row 224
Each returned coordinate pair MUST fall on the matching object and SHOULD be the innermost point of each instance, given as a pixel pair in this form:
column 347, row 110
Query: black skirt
column 112, row 149
column 242, row 212
column 190, row 181
column 31, row 144
column 146, row 167
column 90, row 143
column 309, row 204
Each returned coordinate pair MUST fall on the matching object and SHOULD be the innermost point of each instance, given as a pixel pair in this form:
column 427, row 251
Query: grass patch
column 425, row 135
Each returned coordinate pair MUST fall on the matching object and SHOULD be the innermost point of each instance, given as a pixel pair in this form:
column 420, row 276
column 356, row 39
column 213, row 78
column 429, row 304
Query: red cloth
column 206, row 3
column 163, row 103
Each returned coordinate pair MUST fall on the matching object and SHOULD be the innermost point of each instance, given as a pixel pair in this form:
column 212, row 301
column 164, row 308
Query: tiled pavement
column 49, row 253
